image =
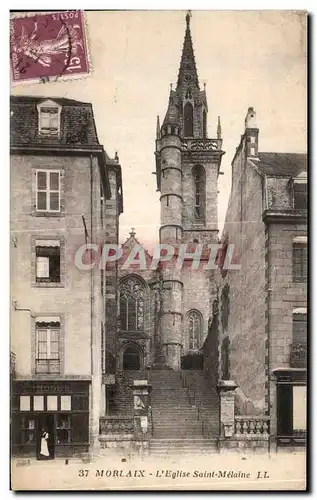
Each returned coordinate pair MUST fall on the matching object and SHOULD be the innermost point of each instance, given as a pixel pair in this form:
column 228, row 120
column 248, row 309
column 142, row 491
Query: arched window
column 204, row 124
column 194, row 330
column 188, row 120
column 199, row 187
column 132, row 294
column 131, row 358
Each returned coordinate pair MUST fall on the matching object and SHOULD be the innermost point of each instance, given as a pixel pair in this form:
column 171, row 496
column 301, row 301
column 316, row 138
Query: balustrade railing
column 202, row 144
column 258, row 426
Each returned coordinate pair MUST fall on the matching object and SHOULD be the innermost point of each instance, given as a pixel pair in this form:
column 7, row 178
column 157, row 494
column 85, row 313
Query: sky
column 246, row 58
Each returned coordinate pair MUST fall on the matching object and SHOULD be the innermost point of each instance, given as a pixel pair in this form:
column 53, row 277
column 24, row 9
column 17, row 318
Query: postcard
column 158, row 250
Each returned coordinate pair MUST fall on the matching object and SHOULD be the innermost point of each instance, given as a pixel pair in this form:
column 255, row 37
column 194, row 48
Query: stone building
column 262, row 305
column 164, row 311
column 65, row 192
column 187, row 169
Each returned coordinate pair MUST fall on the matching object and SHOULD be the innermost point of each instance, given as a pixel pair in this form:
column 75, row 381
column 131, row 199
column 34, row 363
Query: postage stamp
column 48, row 46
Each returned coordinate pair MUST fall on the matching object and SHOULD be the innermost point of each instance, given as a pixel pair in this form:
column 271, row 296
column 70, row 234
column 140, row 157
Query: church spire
column 187, row 71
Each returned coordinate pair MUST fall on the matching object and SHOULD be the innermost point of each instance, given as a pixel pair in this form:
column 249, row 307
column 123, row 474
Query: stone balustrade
column 252, row 426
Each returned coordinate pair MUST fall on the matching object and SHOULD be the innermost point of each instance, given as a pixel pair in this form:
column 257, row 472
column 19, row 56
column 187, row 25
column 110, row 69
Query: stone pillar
column 226, row 390
column 142, row 409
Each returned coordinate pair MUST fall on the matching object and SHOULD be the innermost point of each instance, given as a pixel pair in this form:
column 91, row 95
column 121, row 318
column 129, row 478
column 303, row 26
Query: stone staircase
column 178, row 427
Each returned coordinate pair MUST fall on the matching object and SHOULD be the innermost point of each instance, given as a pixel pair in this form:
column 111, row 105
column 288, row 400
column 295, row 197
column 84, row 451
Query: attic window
column 49, row 118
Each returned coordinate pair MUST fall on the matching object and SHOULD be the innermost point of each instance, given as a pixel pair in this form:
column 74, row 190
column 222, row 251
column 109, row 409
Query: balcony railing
column 202, row 144
column 298, row 355
column 47, row 366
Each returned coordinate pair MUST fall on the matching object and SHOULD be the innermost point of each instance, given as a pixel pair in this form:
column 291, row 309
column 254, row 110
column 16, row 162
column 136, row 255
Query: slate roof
column 77, row 122
column 282, row 164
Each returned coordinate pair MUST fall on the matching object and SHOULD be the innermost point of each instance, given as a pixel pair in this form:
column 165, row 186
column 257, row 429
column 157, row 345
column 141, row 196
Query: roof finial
column 219, row 129
column 132, row 232
column 188, row 16
column 116, row 157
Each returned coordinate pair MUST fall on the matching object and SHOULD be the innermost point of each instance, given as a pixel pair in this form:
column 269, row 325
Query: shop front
column 291, row 391
column 49, row 419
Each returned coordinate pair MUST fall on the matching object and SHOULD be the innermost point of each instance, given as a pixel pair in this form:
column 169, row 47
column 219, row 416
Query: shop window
column 132, row 298
column 27, row 430
column 51, row 402
column 48, row 347
column 80, row 428
column 48, row 190
column 25, row 403
column 38, row 403
column 194, row 330
column 80, row 402
column 291, row 413
column 63, row 429
column 66, row 403
column 48, row 258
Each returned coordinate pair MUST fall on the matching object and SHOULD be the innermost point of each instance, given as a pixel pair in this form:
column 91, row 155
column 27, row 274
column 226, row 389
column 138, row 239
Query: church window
column 194, row 330
column 188, row 120
column 204, row 124
column 132, row 295
column 199, row 181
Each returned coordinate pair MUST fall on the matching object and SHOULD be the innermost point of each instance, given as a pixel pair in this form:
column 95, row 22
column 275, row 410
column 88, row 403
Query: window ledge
column 48, row 285
column 48, row 214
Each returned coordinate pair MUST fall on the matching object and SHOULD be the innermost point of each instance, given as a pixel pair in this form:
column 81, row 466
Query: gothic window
column 132, row 295
column 194, row 330
column 199, row 187
column 204, row 124
column 188, row 120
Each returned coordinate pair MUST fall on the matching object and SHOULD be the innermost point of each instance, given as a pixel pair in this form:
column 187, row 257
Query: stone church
column 164, row 313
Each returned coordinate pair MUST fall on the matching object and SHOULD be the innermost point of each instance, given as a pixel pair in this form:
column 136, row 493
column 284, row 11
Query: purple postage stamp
column 47, row 46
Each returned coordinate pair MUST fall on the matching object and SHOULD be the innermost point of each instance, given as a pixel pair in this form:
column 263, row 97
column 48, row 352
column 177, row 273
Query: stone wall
column 246, row 323
column 70, row 299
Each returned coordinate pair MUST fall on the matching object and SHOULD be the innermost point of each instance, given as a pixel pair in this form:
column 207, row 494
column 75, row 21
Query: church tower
column 187, row 169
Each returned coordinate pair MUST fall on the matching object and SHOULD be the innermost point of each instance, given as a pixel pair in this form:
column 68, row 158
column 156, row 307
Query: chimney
column 251, row 134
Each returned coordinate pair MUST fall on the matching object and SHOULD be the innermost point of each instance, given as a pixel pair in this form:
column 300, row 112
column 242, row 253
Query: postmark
column 48, row 46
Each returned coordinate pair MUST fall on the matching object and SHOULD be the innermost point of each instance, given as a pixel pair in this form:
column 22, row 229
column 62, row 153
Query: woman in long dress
column 44, row 448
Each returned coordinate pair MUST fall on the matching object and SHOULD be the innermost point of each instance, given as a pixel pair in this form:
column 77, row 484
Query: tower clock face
column 188, row 78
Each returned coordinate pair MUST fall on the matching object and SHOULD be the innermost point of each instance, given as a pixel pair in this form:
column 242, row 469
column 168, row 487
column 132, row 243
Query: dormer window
column 49, row 118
